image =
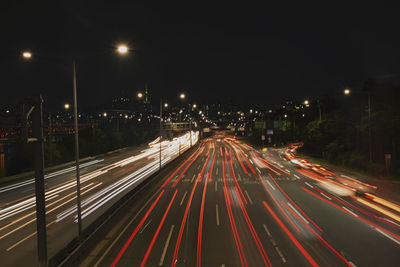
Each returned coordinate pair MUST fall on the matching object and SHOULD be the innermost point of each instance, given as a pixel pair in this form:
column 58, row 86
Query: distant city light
column 126, row 116
column 194, row 106
column 27, row 54
column 306, row 102
column 182, row 96
column 285, row 115
column 122, row 49
column 139, row 95
column 346, row 91
column 105, row 114
column 165, row 105
column 66, row 106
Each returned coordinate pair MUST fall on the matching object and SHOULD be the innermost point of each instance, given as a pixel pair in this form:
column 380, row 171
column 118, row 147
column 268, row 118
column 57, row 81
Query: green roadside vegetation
column 347, row 133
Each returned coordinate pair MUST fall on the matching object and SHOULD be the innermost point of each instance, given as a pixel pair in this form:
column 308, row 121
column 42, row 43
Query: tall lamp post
column 347, row 92
column 121, row 49
column 307, row 104
column 182, row 96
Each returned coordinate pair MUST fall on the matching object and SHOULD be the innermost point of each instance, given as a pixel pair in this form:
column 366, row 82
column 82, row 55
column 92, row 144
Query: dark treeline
column 348, row 133
column 92, row 141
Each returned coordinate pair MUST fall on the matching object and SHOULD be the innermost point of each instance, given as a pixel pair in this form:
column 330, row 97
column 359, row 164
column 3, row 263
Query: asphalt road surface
column 104, row 181
column 227, row 204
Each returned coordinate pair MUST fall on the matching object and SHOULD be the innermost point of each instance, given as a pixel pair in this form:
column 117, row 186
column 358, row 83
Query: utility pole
column 35, row 108
column 78, row 182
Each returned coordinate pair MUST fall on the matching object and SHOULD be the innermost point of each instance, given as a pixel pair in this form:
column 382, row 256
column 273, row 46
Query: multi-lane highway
column 227, row 204
column 104, row 181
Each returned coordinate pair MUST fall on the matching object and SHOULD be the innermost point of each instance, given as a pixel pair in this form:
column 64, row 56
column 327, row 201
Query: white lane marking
column 325, row 196
column 247, row 194
column 287, row 170
column 166, row 246
column 183, row 198
column 141, row 231
column 309, row 184
column 296, row 176
column 355, row 215
column 280, row 254
column 267, row 231
column 217, row 214
column 191, row 181
column 269, row 235
column 271, row 185
column 298, row 213
column 216, row 186
column 388, row 236
column 258, row 170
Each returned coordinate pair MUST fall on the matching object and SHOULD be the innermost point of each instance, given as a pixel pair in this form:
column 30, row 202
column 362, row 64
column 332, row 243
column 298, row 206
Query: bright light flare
column 122, row 49
column 27, row 55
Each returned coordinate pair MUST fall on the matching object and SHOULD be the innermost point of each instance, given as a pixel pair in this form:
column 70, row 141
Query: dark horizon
column 244, row 55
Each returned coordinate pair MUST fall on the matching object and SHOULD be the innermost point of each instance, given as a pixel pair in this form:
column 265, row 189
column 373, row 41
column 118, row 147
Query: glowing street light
column 182, row 96
column 346, row 91
column 306, row 102
column 26, row 54
column 105, row 114
column 165, row 105
column 140, row 95
column 122, row 49
column 194, row 106
column 285, row 115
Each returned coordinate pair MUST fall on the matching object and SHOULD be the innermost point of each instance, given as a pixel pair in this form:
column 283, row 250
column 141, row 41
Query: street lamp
column 165, row 105
column 26, row 54
column 306, row 102
column 122, row 49
column 182, row 96
column 347, row 92
column 140, row 95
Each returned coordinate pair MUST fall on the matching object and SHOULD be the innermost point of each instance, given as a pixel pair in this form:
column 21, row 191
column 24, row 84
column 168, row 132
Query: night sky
column 241, row 53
